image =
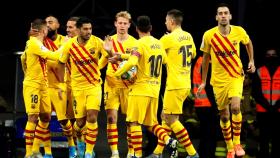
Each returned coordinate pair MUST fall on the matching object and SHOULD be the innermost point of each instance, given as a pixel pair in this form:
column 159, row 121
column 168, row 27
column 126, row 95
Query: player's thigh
column 150, row 118
column 93, row 98
column 137, row 108
column 59, row 104
column 79, row 103
column 111, row 97
column 32, row 99
column 221, row 96
column 173, row 100
column 124, row 99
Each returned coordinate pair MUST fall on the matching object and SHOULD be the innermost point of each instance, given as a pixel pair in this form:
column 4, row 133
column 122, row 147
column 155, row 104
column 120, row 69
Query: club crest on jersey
column 234, row 42
column 92, row 51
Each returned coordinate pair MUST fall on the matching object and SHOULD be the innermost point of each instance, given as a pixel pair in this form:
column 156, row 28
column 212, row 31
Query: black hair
column 177, row 15
column 83, row 20
column 38, row 24
column 144, row 23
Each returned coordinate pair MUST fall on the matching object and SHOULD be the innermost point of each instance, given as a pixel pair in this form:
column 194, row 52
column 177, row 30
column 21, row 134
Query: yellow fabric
column 115, row 98
column 227, row 133
column 224, row 92
column 68, row 132
column 84, row 100
column 36, row 100
column 58, row 103
column 85, row 72
column 173, row 100
column 112, row 136
column 183, row 137
column 136, row 139
column 92, row 131
column 35, row 55
column 236, row 127
column 227, row 50
column 142, row 109
column 149, row 67
column 161, row 144
column 52, row 65
column 29, row 137
column 180, row 50
column 123, row 47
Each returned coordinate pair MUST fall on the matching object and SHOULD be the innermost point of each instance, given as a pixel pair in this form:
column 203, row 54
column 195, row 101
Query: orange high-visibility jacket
column 203, row 100
column 270, row 87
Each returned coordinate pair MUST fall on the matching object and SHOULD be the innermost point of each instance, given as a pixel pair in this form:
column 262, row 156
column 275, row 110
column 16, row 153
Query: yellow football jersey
column 34, row 57
column 149, row 67
column 119, row 47
column 51, row 65
column 84, row 59
column 225, row 53
column 180, row 50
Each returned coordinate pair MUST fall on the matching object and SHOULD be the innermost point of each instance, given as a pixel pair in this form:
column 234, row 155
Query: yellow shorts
column 36, row 100
column 115, row 98
column 70, row 111
column 59, row 104
column 142, row 109
column 173, row 100
column 224, row 93
column 83, row 100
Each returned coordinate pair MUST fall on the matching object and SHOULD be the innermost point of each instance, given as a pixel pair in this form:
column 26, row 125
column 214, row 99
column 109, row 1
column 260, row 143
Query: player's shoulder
column 237, row 28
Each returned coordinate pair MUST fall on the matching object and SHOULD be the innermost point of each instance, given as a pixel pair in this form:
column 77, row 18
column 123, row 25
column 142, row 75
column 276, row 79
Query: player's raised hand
column 108, row 44
column 115, row 58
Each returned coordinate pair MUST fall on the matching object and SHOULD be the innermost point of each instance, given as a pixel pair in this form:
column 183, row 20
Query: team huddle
column 62, row 73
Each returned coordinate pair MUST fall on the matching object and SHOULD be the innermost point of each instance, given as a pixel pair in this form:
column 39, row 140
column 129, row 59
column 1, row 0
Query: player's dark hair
column 38, row 24
column 223, row 5
column 177, row 15
column 144, row 24
column 83, row 20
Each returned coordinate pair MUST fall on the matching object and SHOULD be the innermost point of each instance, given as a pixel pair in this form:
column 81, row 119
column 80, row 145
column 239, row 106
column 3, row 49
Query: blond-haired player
column 116, row 89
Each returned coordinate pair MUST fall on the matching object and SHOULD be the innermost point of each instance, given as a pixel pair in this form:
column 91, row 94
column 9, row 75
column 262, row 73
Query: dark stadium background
column 260, row 18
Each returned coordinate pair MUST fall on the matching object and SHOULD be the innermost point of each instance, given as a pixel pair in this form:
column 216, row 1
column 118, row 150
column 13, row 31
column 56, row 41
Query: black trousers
column 207, row 145
column 269, row 132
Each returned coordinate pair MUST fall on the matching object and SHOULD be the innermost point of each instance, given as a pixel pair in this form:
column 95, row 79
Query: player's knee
column 224, row 118
column 45, row 117
column 92, row 116
column 170, row 119
column 235, row 110
column 33, row 118
column 63, row 122
column 112, row 119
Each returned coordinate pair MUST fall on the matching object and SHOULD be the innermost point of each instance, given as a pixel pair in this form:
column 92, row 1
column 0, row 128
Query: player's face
column 71, row 29
column 223, row 16
column 168, row 22
column 44, row 31
column 52, row 23
column 122, row 25
column 85, row 31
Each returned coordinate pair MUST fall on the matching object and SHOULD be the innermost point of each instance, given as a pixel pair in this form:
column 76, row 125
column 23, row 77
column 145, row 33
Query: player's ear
column 216, row 17
column 230, row 16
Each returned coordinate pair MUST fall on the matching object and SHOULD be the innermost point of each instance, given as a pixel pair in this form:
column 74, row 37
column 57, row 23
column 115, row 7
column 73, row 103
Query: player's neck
column 175, row 27
column 81, row 41
column 40, row 38
column 122, row 37
column 142, row 34
column 224, row 30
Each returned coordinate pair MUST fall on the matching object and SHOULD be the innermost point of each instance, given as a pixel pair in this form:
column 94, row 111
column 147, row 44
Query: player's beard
column 51, row 33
